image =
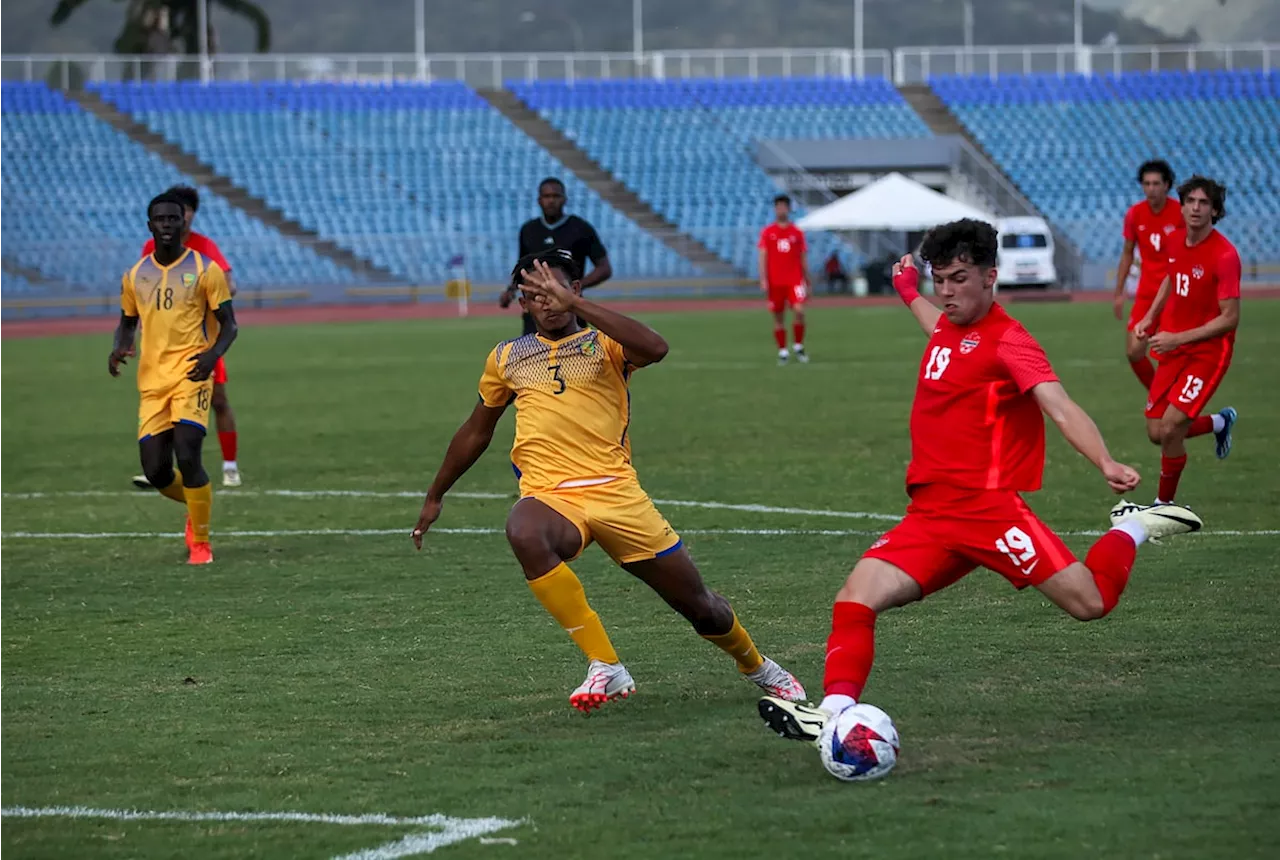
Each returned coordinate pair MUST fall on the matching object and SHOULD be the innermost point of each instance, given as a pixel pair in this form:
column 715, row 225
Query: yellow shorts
column 186, row 402
column 618, row 515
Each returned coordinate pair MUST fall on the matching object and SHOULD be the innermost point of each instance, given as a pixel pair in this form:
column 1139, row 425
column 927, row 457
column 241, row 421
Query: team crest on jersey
column 1197, row 272
column 589, row 347
column 970, row 343
column 188, row 280
column 1169, row 228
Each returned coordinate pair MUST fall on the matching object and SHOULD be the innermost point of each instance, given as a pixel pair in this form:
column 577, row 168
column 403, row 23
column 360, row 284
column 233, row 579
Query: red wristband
column 905, row 283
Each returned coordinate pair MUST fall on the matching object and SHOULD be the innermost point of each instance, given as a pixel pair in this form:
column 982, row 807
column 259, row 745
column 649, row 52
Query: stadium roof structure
column 892, row 202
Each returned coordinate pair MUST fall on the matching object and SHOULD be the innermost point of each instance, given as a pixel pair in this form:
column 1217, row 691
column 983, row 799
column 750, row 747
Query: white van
column 1026, row 253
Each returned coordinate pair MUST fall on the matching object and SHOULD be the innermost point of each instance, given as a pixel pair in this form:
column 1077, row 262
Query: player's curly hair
column 966, row 240
column 1156, row 165
column 556, row 258
column 1213, row 189
column 166, row 197
column 189, row 196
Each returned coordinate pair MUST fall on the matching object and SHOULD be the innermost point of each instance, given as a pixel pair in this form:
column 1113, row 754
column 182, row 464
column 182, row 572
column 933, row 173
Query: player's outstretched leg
column 1091, row 590
column 873, row 586
column 1220, row 425
column 543, row 541
column 676, row 579
column 188, row 440
column 228, row 439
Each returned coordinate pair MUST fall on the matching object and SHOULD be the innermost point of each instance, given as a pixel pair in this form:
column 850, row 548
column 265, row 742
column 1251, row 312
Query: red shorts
column 220, row 372
column 1142, row 300
column 948, row 531
column 1186, row 381
column 780, row 297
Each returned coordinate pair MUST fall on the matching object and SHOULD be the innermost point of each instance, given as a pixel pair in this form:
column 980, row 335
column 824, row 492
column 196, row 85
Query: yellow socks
column 174, row 491
column 738, row 645
column 199, row 509
column 561, row 594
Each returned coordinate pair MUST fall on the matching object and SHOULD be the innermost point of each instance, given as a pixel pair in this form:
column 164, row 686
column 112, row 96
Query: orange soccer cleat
column 201, row 553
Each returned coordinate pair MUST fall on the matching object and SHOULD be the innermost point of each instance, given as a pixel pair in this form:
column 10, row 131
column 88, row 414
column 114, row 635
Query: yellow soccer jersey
column 175, row 305
column 572, row 403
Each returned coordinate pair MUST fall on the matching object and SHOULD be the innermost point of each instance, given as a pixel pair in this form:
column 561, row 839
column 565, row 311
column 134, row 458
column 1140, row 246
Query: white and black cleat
column 1166, row 520
column 792, row 720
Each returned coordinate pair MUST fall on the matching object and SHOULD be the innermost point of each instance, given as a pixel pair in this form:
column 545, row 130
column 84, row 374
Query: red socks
column 1170, row 473
column 1144, row 370
column 780, row 337
column 228, row 443
column 851, row 648
column 1199, row 427
column 1110, row 560
column 797, row 331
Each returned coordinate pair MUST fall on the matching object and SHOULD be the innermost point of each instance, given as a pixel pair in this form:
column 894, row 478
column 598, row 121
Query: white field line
column 448, row 830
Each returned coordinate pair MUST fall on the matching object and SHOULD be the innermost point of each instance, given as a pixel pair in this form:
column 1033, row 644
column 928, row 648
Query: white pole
column 968, row 37
column 637, row 31
column 202, row 22
column 420, row 37
column 857, row 38
column 1077, row 38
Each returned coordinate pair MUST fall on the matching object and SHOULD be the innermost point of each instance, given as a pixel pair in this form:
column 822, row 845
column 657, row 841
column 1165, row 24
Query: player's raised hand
column 116, row 359
column 430, row 513
column 202, row 366
column 540, row 284
column 1120, row 477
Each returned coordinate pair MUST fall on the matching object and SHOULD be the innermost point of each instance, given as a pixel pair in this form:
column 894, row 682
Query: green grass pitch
column 343, row 673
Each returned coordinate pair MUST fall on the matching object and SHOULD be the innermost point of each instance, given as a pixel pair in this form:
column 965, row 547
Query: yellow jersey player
column 183, row 302
column 572, row 455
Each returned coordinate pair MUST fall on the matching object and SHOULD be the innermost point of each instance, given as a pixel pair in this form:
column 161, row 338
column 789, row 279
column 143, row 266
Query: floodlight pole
column 420, row 37
column 859, row 62
column 637, row 32
column 202, row 22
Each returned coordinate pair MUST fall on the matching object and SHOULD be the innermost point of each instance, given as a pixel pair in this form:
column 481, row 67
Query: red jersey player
column 784, row 277
column 1198, row 307
column 224, row 418
column 977, row 443
column 1148, row 227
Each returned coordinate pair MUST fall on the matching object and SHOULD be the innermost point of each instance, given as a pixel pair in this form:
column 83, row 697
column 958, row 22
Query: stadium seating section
column 75, row 197
column 405, row 175
column 686, row 146
column 1073, row 144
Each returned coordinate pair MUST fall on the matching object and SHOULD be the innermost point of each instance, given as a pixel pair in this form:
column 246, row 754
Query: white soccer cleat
column 801, row 355
column 777, row 682
column 605, row 682
column 792, row 720
column 141, row 482
column 230, row 476
column 1123, row 508
column 783, row 355
column 1165, row 520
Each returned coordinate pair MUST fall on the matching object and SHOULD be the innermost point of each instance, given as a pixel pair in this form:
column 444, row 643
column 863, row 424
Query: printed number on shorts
column 800, row 292
column 1191, row 389
column 939, row 360
column 202, row 399
column 1017, row 545
column 555, row 374
column 1182, row 283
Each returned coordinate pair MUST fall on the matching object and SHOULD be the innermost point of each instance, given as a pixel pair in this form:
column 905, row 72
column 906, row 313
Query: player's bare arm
column 466, row 447
column 602, row 270
column 1146, row 324
column 804, row 267
column 1227, row 320
column 640, row 344
column 122, row 344
column 905, row 280
column 763, row 257
column 1078, row 429
column 203, row 364
column 1122, row 275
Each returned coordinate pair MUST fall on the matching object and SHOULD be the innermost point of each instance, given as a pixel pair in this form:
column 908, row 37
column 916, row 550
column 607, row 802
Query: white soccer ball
column 859, row 743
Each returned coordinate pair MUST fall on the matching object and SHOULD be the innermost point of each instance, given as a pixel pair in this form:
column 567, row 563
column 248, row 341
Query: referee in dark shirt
column 558, row 230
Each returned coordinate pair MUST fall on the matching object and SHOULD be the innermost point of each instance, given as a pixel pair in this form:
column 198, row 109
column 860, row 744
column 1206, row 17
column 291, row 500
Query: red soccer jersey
column 1150, row 233
column 199, row 243
column 783, row 246
column 1201, row 276
column 973, row 423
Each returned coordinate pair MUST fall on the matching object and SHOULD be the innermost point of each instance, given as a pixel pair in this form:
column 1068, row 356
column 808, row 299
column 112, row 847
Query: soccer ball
column 859, row 743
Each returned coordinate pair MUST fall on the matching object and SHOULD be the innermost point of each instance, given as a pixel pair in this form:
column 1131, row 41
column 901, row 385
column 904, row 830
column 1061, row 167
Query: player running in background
column 183, row 302
column 1148, row 227
column 784, row 277
column 977, row 443
column 558, row 230
column 224, row 418
column 1198, row 309
column 569, row 386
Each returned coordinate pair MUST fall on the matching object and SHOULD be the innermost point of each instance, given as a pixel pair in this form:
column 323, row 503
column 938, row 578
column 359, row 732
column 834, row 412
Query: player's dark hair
column 166, row 197
column 550, row 180
column 189, row 196
column 966, row 240
column 1156, row 165
column 555, row 258
column 782, row 198
column 1214, row 190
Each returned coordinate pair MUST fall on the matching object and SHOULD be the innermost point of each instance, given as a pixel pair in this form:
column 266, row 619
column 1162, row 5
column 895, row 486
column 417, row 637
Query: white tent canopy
column 892, row 202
